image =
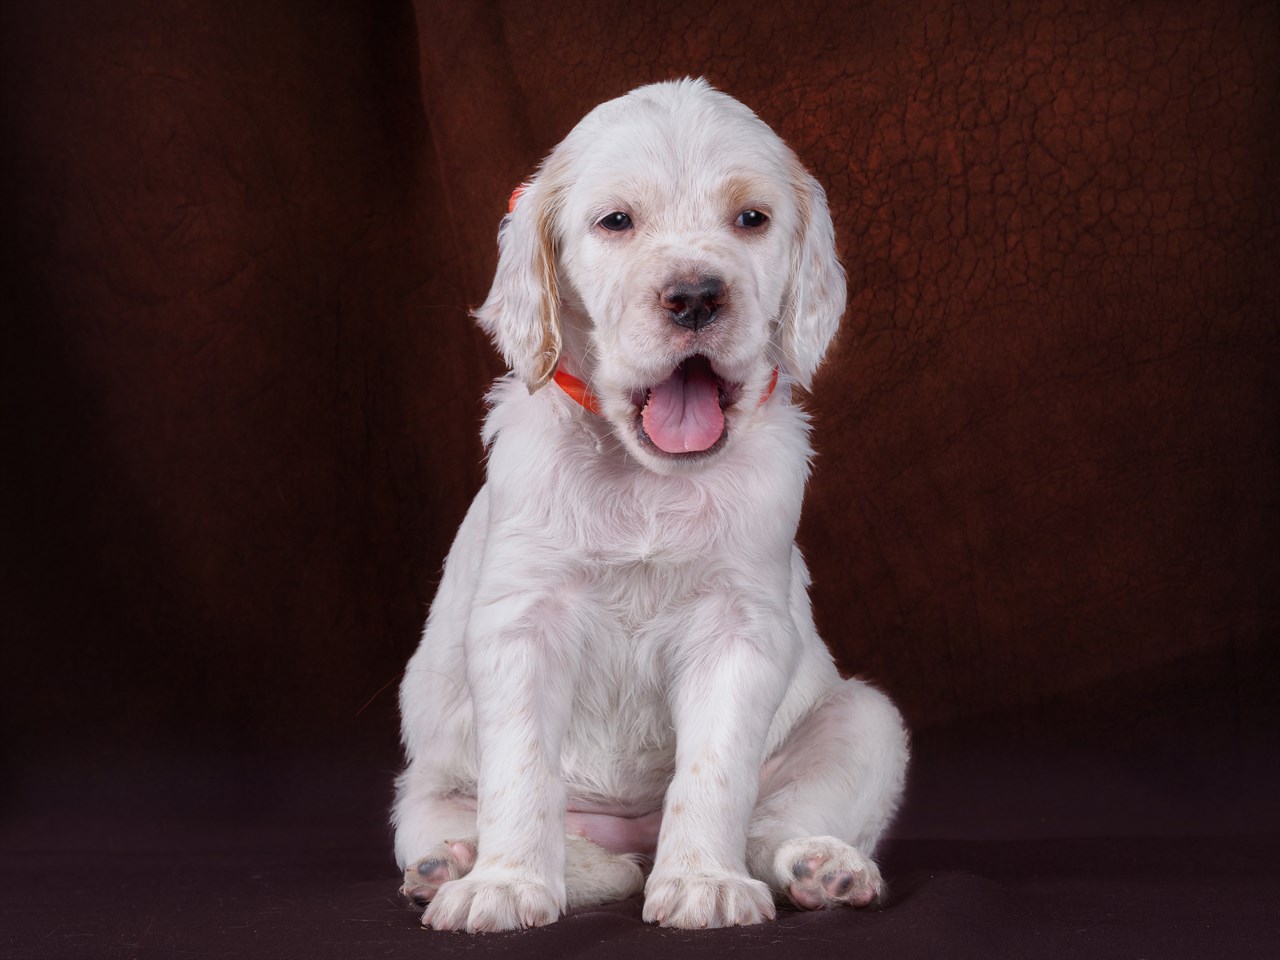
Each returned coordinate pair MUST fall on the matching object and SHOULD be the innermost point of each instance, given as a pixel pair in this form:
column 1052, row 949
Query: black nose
column 693, row 305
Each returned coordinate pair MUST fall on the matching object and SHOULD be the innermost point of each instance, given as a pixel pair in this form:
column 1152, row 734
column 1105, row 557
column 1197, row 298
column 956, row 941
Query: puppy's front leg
column 519, row 657
column 730, row 675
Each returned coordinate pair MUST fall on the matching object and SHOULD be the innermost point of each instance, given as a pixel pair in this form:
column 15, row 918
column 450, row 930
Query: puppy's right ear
column 522, row 312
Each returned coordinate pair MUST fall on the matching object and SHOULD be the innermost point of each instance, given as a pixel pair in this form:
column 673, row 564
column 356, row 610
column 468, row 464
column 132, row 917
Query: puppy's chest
column 622, row 521
column 620, row 743
column 638, row 603
column 633, row 544
column 634, row 613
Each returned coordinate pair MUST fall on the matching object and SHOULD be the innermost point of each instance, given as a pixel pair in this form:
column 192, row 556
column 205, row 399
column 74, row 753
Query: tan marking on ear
column 799, row 186
column 815, row 305
column 547, row 256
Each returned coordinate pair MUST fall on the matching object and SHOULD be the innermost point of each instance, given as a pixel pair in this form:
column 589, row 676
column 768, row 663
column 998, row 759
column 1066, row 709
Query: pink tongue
column 683, row 414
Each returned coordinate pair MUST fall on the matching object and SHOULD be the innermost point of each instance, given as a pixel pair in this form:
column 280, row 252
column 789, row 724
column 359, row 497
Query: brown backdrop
column 241, row 393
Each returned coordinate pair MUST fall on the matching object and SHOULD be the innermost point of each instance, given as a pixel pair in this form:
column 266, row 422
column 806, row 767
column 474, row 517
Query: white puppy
column 621, row 661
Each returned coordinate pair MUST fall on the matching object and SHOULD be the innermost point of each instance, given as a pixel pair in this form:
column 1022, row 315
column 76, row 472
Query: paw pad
column 830, row 874
column 422, row 880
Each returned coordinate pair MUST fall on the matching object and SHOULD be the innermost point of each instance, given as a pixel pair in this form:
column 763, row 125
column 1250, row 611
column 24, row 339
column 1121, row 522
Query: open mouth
column 684, row 414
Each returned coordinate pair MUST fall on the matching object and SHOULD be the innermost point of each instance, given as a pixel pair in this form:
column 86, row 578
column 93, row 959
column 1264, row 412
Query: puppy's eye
column 616, row 221
column 751, row 219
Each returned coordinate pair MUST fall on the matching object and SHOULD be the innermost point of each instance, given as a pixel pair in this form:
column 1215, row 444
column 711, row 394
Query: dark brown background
column 241, row 394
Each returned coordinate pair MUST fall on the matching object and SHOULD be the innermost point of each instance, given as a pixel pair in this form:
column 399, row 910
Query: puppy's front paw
column 697, row 900
column 820, row 873
column 489, row 901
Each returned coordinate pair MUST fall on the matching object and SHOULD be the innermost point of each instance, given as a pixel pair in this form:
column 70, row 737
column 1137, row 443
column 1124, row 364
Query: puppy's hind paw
column 822, row 873
column 423, row 878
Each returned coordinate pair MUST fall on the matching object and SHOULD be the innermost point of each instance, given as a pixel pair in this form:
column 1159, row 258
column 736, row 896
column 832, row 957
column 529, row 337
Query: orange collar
column 578, row 390
column 582, row 395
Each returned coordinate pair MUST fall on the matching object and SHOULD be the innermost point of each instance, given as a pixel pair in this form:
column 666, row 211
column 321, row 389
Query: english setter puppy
column 621, row 665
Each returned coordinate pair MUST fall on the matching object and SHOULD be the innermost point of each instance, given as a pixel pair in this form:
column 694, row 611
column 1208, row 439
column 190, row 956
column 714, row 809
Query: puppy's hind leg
column 435, row 838
column 424, row 877
column 594, row 875
column 826, row 797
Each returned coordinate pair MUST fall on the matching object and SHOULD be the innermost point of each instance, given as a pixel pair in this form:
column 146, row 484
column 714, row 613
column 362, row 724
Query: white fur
column 620, row 631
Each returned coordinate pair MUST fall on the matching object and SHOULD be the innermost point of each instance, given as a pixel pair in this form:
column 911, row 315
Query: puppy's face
column 682, row 240
column 671, row 242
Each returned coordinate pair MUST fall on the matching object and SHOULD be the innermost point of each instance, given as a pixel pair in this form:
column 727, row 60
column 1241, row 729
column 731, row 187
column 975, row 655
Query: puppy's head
column 673, row 253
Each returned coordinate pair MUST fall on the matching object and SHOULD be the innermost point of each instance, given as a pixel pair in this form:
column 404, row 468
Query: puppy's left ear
column 816, row 294
column 522, row 312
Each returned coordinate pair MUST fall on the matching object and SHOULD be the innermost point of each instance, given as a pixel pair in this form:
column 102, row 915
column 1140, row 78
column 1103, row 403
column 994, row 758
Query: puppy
column 621, row 663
